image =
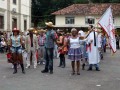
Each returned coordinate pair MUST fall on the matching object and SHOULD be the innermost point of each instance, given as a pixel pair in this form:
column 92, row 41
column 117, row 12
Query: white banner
column 106, row 22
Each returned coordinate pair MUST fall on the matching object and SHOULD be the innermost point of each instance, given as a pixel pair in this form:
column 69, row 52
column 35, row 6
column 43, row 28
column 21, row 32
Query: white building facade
column 15, row 14
column 83, row 15
column 81, row 21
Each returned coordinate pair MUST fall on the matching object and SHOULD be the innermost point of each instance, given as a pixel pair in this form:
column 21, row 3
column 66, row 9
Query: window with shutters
column 89, row 20
column 69, row 20
column 14, row 23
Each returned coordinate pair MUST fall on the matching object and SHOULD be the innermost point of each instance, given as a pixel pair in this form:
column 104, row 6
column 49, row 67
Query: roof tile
column 88, row 9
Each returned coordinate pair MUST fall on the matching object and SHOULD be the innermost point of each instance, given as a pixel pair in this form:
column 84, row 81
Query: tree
column 115, row 1
column 81, row 1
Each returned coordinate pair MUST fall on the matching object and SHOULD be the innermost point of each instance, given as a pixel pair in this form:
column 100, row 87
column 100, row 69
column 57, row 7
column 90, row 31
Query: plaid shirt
column 41, row 40
column 51, row 36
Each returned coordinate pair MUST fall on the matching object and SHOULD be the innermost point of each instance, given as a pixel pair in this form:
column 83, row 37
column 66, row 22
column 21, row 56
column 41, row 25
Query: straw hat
column 45, row 31
column 41, row 31
column 31, row 29
column 49, row 24
column 15, row 30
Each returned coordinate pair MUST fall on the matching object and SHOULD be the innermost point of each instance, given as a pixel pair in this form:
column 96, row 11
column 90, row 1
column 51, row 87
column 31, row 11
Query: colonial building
column 15, row 14
column 81, row 15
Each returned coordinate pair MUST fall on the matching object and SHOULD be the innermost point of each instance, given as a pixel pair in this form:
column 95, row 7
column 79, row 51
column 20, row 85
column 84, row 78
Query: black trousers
column 62, row 60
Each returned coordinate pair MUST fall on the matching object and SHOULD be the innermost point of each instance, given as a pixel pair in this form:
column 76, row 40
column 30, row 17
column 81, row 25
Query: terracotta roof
column 88, row 9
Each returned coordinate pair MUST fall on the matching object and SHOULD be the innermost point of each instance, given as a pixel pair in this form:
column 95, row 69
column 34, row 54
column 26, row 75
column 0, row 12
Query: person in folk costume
column 74, row 52
column 100, row 43
column 93, row 53
column 41, row 43
column 61, row 42
column 117, row 41
column 56, row 53
column 51, row 38
column 23, row 41
column 104, row 42
column 16, row 50
column 31, row 47
column 83, row 48
column 3, row 45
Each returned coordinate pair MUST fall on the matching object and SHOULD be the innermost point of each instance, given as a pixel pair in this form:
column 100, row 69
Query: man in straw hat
column 49, row 47
column 31, row 46
column 41, row 43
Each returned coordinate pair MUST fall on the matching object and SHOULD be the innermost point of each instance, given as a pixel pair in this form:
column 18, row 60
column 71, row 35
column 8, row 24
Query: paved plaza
column 107, row 79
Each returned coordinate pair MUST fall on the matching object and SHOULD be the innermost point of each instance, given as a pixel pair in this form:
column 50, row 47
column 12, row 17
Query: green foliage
column 115, row 1
column 80, row 1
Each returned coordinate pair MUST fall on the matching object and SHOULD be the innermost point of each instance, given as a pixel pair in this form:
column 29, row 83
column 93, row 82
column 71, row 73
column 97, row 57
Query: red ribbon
column 88, row 47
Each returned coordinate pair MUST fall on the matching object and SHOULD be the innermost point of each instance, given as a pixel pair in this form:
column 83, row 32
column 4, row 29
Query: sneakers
column 39, row 63
column 12, row 67
column 35, row 67
column 28, row 66
column 43, row 63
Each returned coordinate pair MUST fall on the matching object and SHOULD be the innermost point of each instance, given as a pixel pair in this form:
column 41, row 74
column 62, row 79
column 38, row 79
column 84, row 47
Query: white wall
column 12, row 5
column 25, row 13
column 5, row 21
column 25, row 7
column 117, row 21
column 60, row 20
column 3, row 4
column 80, row 21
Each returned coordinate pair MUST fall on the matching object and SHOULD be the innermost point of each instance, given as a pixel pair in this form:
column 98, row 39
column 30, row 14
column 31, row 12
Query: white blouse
column 74, row 43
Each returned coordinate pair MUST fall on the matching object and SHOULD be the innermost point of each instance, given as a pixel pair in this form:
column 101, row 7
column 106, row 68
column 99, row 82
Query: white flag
column 106, row 22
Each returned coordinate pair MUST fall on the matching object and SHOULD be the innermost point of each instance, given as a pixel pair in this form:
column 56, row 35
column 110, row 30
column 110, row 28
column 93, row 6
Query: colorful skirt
column 74, row 54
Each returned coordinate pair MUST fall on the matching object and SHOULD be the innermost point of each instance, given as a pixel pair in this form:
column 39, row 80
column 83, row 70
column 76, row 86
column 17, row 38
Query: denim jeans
column 49, row 58
column 16, row 49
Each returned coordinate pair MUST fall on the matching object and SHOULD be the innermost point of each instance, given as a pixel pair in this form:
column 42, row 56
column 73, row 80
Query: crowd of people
column 79, row 47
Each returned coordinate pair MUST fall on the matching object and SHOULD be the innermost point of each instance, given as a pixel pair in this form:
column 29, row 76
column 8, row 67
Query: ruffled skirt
column 75, row 54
